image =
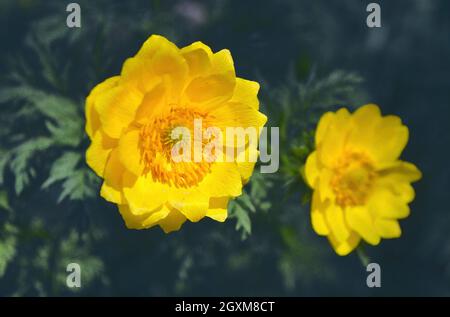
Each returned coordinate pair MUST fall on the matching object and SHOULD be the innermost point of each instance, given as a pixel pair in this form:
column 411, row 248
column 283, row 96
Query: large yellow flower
column 361, row 188
column 129, row 119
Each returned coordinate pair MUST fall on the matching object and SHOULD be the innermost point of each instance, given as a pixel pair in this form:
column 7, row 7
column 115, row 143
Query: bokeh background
column 309, row 56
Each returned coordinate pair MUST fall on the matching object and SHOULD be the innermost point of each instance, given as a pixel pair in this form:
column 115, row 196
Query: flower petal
column 171, row 65
column 117, row 108
column 112, row 186
column 210, row 90
column 387, row 139
column 98, row 152
column 218, row 208
column 154, row 44
column 173, row 221
column 143, row 194
column 138, row 72
column 132, row 221
column 222, row 63
column 223, row 180
column 318, row 220
column 246, row 92
column 344, row 247
column 335, row 218
column 92, row 116
column 129, row 153
column 322, row 126
column 360, row 220
column 154, row 103
column 312, row 170
column 333, row 143
column 155, row 217
column 387, row 228
column 383, row 203
column 198, row 57
column 238, row 115
column 190, row 202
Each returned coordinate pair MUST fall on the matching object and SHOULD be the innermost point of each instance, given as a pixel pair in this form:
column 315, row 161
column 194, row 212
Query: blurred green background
column 309, row 56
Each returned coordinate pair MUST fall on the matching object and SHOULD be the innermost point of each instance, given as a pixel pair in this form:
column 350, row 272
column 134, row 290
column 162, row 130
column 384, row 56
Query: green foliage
column 8, row 242
column 239, row 209
column 42, row 138
column 77, row 183
column 58, row 124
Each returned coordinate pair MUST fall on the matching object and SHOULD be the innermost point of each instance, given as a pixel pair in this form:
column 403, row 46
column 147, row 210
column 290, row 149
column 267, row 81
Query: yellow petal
column 364, row 122
column 138, row 72
column 129, row 153
column 383, row 203
column 246, row 170
column 336, row 223
column 117, row 108
column 143, row 194
column 322, row 126
column 218, row 208
column 246, row 92
column 132, row 221
column 234, row 114
column 155, row 217
column 143, row 221
column 173, row 221
column 401, row 171
column 312, row 170
column 387, row 141
column 325, row 190
column 318, row 220
column 344, row 247
column 111, row 193
column 112, row 186
column 387, row 228
column 98, row 152
column 223, row 180
column 173, row 67
column 190, row 202
column 198, row 57
column 211, row 90
column 398, row 184
column 92, row 116
column 222, row 62
column 153, row 104
column 361, row 221
column 333, row 143
column 154, row 44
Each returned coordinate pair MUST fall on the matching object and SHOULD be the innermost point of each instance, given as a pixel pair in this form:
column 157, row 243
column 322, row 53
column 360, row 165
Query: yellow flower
column 129, row 119
column 361, row 188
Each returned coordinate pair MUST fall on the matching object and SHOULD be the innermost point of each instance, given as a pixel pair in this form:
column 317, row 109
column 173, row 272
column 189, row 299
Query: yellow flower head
column 130, row 118
column 361, row 188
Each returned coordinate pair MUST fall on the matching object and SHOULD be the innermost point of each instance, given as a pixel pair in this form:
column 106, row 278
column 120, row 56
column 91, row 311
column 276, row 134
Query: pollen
column 353, row 178
column 156, row 144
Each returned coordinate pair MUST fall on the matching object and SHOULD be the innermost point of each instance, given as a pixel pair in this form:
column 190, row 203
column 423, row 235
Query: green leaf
column 7, row 246
column 62, row 168
column 78, row 185
column 52, row 106
column 20, row 162
column 4, row 159
column 4, row 202
column 77, row 182
column 243, row 222
column 245, row 201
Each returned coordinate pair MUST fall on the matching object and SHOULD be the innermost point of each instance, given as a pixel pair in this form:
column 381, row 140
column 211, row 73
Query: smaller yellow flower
column 360, row 187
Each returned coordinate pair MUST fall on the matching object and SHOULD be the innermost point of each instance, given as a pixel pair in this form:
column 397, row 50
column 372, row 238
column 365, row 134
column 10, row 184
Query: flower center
column 156, row 144
column 352, row 180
